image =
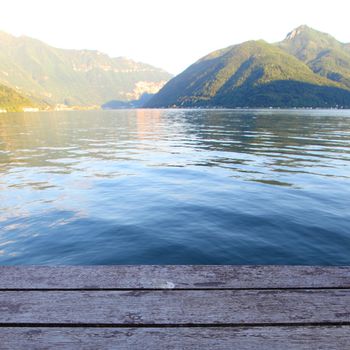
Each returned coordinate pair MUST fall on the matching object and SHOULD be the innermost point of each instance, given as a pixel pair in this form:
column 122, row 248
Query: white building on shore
column 30, row 109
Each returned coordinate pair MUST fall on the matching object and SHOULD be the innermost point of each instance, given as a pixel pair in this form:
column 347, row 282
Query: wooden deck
column 175, row 307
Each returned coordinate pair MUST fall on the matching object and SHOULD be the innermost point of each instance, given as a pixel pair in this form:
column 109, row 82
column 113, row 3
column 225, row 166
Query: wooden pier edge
column 173, row 277
column 174, row 307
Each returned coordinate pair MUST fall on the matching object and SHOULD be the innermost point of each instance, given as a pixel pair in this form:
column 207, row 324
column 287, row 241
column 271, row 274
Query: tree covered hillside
column 254, row 74
column 73, row 77
column 12, row 101
column 321, row 52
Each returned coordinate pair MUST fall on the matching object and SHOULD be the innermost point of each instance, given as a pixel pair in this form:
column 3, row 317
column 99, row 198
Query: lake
column 175, row 187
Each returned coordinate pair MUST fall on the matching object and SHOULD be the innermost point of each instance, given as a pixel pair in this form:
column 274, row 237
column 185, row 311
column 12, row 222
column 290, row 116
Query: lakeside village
column 86, row 108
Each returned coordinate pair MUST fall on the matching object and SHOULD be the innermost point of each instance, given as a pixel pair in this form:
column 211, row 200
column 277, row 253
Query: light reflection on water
column 175, row 187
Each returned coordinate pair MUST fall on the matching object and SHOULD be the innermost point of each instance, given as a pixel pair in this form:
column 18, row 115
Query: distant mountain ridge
column 307, row 69
column 73, row 77
column 139, row 103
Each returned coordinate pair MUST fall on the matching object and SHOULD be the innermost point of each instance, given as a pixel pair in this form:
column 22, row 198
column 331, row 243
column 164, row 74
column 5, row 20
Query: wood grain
column 175, row 307
column 262, row 338
column 169, row 277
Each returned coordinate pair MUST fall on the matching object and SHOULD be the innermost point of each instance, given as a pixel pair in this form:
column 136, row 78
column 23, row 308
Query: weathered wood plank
column 175, row 307
column 262, row 338
column 167, row 277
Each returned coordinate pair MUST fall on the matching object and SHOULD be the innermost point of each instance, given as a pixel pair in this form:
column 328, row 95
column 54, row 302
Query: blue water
column 175, row 187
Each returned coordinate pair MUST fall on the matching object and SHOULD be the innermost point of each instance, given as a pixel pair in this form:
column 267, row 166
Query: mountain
column 12, row 101
column 321, row 52
column 73, row 77
column 139, row 103
column 258, row 74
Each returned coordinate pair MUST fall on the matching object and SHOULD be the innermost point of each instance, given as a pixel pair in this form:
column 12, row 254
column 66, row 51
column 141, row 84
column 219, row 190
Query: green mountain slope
column 254, row 74
column 12, row 101
column 73, row 77
column 321, row 52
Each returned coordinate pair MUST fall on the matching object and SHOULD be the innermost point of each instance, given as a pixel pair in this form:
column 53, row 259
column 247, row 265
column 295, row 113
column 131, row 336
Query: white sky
column 166, row 33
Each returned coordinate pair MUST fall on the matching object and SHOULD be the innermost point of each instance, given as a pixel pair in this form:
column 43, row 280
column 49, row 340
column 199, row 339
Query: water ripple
column 175, row 187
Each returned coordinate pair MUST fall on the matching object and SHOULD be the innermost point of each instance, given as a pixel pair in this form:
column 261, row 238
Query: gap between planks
column 163, row 289
column 170, row 325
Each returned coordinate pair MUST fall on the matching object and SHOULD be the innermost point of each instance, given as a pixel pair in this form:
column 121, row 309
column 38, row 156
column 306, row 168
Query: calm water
column 175, row 187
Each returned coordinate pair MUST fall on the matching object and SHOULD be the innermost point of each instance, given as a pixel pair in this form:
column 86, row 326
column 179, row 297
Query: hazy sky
column 167, row 33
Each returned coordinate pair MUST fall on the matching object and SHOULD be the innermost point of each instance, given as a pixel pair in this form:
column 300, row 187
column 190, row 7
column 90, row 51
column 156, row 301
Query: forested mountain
column 12, row 101
column 321, row 52
column 294, row 73
column 73, row 77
